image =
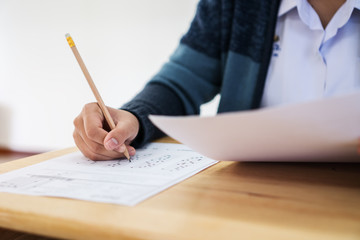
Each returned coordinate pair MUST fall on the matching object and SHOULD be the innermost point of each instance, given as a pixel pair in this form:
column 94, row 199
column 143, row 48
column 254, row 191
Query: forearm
column 155, row 99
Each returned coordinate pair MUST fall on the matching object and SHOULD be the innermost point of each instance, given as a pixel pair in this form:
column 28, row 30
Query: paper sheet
column 154, row 168
column 323, row 130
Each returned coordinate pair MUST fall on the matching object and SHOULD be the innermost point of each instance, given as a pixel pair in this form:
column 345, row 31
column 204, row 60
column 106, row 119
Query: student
column 256, row 53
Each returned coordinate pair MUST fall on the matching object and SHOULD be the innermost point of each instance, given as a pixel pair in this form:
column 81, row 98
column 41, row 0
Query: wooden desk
column 229, row 200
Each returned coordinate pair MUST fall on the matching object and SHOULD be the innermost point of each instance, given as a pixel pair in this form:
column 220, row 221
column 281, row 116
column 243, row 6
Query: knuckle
column 87, row 107
column 77, row 121
column 75, row 135
column 92, row 133
column 120, row 134
column 77, row 138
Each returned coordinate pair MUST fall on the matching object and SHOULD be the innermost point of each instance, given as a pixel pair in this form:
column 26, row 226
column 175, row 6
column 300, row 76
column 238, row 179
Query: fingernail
column 112, row 143
column 132, row 151
column 122, row 148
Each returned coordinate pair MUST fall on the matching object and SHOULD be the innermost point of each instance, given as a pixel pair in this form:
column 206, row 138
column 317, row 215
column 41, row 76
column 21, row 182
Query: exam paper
column 322, row 130
column 154, row 168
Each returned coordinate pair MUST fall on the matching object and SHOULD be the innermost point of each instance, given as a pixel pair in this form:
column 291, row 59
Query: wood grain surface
column 230, row 200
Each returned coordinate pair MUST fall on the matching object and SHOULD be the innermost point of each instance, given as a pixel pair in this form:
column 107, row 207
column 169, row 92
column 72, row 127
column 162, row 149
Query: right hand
column 98, row 144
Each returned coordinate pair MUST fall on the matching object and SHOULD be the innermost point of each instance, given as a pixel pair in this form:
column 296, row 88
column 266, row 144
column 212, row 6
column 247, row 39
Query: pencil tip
column 67, row 35
column 126, row 153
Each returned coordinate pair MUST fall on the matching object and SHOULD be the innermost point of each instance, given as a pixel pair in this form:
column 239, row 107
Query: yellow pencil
column 91, row 83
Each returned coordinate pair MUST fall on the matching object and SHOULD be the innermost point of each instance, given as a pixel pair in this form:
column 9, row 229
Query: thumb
column 116, row 138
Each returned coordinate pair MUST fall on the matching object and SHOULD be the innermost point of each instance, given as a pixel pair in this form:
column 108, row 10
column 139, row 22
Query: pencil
column 91, row 83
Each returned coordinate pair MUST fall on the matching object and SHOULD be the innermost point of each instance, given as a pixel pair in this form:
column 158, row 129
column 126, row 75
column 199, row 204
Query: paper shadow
column 330, row 174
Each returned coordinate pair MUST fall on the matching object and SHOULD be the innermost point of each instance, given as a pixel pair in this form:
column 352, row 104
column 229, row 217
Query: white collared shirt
column 309, row 62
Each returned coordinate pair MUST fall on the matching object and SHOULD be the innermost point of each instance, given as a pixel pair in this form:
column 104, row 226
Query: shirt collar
column 287, row 5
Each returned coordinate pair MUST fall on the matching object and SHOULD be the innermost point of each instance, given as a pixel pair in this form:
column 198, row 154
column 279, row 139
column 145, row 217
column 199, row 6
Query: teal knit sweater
column 227, row 50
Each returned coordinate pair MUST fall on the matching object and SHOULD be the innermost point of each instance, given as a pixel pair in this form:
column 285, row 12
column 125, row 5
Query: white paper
column 323, row 130
column 154, row 168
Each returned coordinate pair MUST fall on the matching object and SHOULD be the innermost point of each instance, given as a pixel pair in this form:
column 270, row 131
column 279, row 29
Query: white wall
column 42, row 89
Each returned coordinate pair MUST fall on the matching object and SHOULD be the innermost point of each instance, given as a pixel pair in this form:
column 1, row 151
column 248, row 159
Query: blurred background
column 42, row 89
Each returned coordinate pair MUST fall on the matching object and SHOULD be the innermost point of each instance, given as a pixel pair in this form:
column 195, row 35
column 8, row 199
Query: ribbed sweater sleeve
column 226, row 50
column 190, row 78
column 157, row 99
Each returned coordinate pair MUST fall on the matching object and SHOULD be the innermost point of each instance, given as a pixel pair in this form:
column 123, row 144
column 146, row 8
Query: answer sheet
column 154, row 168
column 322, row 130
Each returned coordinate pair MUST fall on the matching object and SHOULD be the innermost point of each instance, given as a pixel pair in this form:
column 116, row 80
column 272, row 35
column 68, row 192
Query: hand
column 98, row 144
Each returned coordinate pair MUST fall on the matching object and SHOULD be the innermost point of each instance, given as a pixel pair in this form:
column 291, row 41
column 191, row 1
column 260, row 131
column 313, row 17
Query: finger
column 93, row 150
column 83, row 147
column 80, row 130
column 93, row 123
column 116, row 138
column 131, row 150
